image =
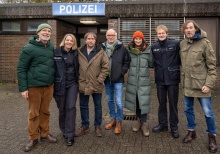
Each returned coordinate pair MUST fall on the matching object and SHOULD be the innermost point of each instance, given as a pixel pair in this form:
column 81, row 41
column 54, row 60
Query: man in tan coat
column 93, row 69
column 197, row 78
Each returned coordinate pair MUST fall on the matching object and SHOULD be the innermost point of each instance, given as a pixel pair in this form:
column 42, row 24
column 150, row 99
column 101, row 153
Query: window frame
column 23, row 27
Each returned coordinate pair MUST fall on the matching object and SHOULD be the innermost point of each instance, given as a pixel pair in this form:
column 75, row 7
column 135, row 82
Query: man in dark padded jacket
column 119, row 64
column 167, row 77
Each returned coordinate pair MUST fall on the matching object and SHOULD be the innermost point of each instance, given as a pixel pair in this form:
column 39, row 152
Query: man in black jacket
column 167, row 77
column 119, row 65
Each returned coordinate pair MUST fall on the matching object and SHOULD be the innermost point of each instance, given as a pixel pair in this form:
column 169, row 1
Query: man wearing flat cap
column 35, row 74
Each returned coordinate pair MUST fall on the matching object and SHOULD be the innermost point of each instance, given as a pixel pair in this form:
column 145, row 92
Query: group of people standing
column 62, row 73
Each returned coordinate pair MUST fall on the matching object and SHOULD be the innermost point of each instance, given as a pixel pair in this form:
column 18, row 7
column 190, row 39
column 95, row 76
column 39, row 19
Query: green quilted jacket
column 35, row 65
column 139, row 83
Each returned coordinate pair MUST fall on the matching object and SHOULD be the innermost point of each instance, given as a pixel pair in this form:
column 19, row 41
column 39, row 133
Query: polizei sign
column 78, row 9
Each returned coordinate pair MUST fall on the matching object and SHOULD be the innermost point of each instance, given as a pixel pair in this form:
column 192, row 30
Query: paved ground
column 14, row 133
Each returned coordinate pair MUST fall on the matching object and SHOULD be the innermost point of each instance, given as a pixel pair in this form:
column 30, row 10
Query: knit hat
column 138, row 34
column 42, row 26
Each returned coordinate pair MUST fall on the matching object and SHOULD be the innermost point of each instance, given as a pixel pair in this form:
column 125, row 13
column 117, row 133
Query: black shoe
column 175, row 133
column 30, row 145
column 70, row 141
column 159, row 128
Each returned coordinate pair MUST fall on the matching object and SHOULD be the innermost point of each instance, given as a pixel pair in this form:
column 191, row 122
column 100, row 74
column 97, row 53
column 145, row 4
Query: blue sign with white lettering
column 78, row 9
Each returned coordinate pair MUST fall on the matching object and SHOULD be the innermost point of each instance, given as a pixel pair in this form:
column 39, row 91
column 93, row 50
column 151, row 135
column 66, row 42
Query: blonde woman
column 66, row 85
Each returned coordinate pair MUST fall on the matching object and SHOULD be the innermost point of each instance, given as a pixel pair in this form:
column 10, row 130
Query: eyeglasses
column 111, row 35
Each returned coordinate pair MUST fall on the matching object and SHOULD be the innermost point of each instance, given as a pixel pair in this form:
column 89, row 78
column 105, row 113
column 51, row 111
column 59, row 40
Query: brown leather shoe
column 30, row 145
column 81, row 131
column 212, row 143
column 118, row 127
column 49, row 138
column 98, row 131
column 111, row 124
column 190, row 136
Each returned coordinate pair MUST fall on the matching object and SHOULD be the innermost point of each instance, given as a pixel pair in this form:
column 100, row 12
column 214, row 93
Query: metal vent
column 130, row 117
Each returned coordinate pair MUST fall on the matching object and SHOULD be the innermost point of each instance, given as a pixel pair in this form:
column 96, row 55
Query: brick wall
column 62, row 29
column 10, row 46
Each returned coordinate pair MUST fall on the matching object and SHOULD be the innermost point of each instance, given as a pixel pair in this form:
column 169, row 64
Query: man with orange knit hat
column 167, row 78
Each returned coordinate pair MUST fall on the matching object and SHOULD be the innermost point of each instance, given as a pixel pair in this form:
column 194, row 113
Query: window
column 129, row 26
column 32, row 25
column 22, row 27
column 11, row 26
column 103, row 30
column 174, row 27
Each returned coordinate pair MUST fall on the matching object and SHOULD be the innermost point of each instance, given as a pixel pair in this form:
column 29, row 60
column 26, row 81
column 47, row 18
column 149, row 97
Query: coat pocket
column 174, row 72
column 57, row 85
column 197, row 81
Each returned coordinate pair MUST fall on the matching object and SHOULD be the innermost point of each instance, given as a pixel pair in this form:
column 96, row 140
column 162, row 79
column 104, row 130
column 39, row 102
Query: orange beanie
column 138, row 34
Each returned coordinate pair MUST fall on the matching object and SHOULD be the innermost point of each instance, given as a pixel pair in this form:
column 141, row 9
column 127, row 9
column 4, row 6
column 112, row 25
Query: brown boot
column 212, row 143
column 81, row 131
column 111, row 124
column 137, row 126
column 30, row 145
column 118, row 127
column 190, row 136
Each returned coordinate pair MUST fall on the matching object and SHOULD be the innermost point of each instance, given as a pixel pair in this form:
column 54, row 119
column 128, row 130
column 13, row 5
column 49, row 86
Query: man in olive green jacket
column 197, row 78
column 35, row 80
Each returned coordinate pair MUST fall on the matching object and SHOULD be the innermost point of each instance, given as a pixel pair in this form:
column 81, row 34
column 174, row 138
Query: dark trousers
column 142, row 117
column 67, row 110
column 173, row 92
column 84, row 108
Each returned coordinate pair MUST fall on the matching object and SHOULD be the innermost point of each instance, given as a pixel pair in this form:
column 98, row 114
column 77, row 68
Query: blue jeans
column 114, row 96
column 84, row 108
column 206, row 104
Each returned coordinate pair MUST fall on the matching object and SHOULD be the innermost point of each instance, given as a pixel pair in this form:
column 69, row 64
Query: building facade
column 19, row 21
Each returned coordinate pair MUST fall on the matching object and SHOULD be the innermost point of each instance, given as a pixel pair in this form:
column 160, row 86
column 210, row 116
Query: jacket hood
column 199, row 34
column 33, row 40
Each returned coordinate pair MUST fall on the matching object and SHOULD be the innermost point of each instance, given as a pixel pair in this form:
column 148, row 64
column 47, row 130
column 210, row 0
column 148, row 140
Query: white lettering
column 78, row 9
column 95, row 8
column 90, row 8
column 68, row 9
column 84, row 8
column 62, row 8
column 74, row 9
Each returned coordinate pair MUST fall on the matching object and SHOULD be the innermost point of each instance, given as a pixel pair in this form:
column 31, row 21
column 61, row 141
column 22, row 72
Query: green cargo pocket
column 197, row 81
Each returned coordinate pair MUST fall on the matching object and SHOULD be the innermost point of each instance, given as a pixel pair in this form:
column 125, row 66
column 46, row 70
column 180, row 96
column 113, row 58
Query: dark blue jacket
column 166, row 61
column 60, row 70
column 120, row 62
